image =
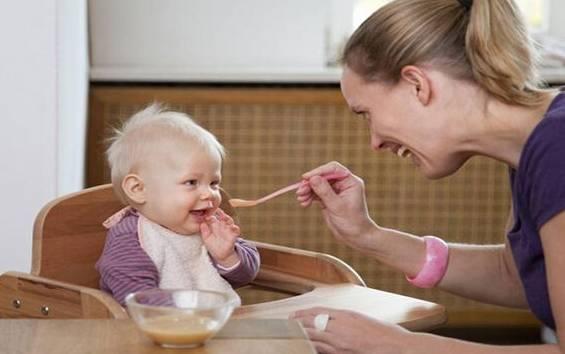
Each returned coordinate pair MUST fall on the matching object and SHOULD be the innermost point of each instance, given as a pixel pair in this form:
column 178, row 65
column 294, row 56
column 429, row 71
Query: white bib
column 182, row 261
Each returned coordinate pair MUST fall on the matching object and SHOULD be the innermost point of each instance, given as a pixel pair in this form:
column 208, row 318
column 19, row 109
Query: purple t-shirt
column 538, row 194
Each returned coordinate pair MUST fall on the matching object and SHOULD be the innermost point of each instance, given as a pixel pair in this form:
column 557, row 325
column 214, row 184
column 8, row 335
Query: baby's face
column 182, row 184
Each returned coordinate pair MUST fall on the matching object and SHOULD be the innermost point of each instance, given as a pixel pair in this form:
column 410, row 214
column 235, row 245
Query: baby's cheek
column 217, row 199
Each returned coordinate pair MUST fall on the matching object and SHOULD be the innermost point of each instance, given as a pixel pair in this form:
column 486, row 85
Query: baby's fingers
column 205, row 230
column 235, row 229
column 222, row 216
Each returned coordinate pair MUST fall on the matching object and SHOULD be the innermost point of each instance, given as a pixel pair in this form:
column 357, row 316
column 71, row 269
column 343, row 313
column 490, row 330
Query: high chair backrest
column 68, row 236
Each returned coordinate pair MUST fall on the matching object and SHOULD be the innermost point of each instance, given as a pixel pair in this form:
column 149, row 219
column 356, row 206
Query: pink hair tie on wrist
column 435, row 266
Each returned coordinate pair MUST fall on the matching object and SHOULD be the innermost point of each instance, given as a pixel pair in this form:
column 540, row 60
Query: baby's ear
column 134, row 189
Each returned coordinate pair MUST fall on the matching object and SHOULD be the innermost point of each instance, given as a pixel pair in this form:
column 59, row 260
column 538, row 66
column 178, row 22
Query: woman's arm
column 553, row 242
column 441, row 345
column 351, row 332
column 470, row 267
column 508, row 281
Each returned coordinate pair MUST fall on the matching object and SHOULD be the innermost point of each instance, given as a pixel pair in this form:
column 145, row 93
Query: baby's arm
column 124, row 267
column 237, row 260
column 219, row 233
column 248, row 267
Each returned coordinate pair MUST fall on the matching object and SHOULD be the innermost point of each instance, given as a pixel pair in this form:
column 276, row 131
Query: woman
column 440, row 81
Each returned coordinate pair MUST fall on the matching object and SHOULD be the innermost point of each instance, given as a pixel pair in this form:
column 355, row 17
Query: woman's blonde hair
column 487, row 43
column 130, row 144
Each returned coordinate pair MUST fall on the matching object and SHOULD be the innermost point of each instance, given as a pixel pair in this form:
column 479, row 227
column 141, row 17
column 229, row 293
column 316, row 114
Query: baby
column 168, row 170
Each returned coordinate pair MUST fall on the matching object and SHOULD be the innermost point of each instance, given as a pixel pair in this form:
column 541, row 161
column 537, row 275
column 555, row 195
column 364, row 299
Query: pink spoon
column 243, row 203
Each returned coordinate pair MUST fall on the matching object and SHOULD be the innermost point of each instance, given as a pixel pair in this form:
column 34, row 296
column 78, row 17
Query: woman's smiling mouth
column 399, row 150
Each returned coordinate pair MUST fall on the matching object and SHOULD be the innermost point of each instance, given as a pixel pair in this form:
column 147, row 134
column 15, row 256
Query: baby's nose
column 206, row 193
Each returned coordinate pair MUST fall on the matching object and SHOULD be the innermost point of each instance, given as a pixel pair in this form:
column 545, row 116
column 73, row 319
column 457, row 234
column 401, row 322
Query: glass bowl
column 177, row 318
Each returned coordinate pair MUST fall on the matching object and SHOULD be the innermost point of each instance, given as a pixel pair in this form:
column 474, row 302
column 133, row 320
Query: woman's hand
column 351, row 332
column 219, row 233
column 343, row 202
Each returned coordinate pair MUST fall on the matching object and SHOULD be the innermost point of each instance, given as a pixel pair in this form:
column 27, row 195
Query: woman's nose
column 376, row 142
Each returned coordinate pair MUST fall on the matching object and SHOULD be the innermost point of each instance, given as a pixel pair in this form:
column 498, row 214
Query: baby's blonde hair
column 129, row 144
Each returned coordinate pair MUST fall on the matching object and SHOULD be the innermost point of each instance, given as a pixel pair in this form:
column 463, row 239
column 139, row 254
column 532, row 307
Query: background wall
column 556, row 20
column 43, row 67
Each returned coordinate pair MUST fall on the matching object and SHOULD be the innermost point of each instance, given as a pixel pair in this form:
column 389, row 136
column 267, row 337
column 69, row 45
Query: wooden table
column 248, row 336
column 258, row 328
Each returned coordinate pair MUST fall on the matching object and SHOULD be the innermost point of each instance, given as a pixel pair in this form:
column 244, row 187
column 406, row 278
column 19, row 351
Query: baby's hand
column 219, row 234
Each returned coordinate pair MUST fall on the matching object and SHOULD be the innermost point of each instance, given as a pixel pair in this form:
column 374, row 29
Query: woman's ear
column 134, row 189
column 419, row 81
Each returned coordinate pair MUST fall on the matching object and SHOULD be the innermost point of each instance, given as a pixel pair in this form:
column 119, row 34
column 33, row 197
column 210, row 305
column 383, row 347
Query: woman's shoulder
column 538, row 182
column 548, row 137
column 542, row 155
column 556, row 110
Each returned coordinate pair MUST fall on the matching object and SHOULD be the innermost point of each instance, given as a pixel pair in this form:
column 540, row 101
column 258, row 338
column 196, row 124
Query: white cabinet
column 231, row 40
column 175, row 39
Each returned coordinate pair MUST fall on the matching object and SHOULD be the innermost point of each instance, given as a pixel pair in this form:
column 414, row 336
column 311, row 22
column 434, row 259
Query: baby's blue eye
column 215, row 184
column 191, row 182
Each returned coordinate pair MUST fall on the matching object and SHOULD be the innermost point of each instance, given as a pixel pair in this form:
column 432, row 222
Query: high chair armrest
column 29, row 296
column 297, row 271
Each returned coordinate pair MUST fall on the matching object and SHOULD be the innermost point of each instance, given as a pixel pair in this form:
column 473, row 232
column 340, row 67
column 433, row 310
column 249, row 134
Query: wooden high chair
column 68, row 239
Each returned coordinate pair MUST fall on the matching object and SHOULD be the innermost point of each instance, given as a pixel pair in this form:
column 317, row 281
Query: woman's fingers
column 323, row 190
column 309, row 314
column 323, row 348
column 316, row 187
column 311, row 311
column 329, row 168
column 321, row 339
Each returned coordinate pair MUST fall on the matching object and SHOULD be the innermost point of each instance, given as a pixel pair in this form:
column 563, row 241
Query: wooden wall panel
column 272, row 135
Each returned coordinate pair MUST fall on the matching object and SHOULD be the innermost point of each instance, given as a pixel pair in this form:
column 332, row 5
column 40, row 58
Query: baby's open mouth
column 201, row 213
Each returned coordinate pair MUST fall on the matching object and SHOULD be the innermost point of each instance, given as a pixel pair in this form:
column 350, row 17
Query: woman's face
column 406, row 123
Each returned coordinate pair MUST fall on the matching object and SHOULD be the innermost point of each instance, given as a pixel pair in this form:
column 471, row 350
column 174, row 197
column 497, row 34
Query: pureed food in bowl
column 180, row 330
column 179, row 318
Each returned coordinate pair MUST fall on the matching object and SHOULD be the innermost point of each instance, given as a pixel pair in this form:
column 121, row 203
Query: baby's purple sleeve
column 248, row 267
column 124, row 266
